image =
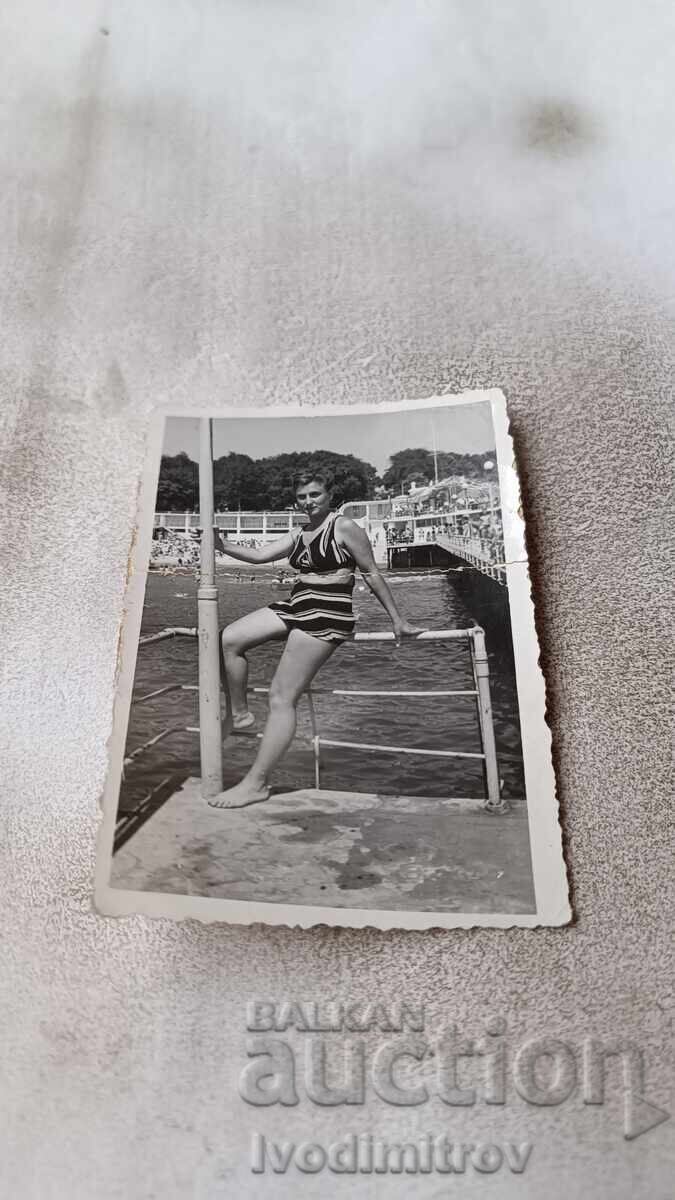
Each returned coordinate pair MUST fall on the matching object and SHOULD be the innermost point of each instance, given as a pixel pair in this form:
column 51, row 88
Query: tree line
column 255, row 484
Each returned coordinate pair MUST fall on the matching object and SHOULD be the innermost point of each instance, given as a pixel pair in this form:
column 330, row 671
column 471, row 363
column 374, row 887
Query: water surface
column 450, row 723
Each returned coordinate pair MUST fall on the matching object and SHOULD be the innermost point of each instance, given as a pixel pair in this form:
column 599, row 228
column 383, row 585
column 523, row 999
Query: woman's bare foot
column 242, row 720
column 241, row 795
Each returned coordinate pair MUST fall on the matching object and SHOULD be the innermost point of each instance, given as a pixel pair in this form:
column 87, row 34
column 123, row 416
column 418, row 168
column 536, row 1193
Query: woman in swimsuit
column 314, row 620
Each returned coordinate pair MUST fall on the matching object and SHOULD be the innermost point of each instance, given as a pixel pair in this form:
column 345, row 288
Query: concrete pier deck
column 344, row 850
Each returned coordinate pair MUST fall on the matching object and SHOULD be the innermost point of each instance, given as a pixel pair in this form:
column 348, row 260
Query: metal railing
column 484, row 552
column 475, row 639
column 372, row 510
column 486, row 555
column 231, row 520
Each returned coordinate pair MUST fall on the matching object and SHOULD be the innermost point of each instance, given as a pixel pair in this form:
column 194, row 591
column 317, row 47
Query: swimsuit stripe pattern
column 323, row 610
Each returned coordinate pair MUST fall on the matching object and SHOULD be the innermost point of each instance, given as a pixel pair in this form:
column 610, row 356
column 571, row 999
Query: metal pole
column 316, row 743
column 482, row 675
column 210, row 737
column 433, row 436
column 492, row 507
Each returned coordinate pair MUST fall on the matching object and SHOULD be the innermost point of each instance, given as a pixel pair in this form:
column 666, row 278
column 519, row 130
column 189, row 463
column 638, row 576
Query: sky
column 465, row 429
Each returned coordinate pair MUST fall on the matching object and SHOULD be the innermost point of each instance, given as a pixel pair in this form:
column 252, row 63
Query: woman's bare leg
column 261, row 626
column 299, row 664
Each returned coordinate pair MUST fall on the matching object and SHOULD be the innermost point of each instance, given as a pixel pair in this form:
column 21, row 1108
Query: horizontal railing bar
column 170, row 687
column 356, row 692
column 402, row 749
column 429, row 635
column 316, row 691
column 319, row 691
column 167, row 633
column 127, row 817
column 370, row 746
column 153, row 742
column 362, row 746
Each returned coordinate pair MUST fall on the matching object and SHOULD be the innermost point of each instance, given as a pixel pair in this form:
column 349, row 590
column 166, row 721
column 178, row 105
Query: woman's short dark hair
column 302, row 478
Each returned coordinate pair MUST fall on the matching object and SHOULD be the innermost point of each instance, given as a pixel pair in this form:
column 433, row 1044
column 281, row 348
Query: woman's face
column 313, row 499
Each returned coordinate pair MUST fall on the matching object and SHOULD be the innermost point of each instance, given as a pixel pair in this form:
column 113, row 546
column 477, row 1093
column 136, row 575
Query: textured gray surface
column 296, row 202
column 327, row 849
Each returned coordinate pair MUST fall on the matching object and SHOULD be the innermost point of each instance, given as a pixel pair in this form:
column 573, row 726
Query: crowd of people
column 400, row 535
column 479, row 531
column 469, row 514
column 173, row 548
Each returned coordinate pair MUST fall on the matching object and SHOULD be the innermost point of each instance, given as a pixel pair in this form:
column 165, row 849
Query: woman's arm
column 279, row 548
column 355, row 539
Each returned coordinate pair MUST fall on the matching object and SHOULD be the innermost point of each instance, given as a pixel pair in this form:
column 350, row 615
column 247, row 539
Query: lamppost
column 435, row 447
column 489, row 466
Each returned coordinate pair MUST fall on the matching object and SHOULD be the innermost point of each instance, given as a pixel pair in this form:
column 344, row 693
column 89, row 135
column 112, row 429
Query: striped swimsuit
column 322, row 609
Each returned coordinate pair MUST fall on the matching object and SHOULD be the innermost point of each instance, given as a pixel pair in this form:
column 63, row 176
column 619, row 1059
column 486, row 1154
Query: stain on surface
column 362, row 850
column 556, row 127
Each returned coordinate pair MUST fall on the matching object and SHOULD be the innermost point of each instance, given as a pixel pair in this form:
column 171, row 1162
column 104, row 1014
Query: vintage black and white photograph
column 330, row 707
